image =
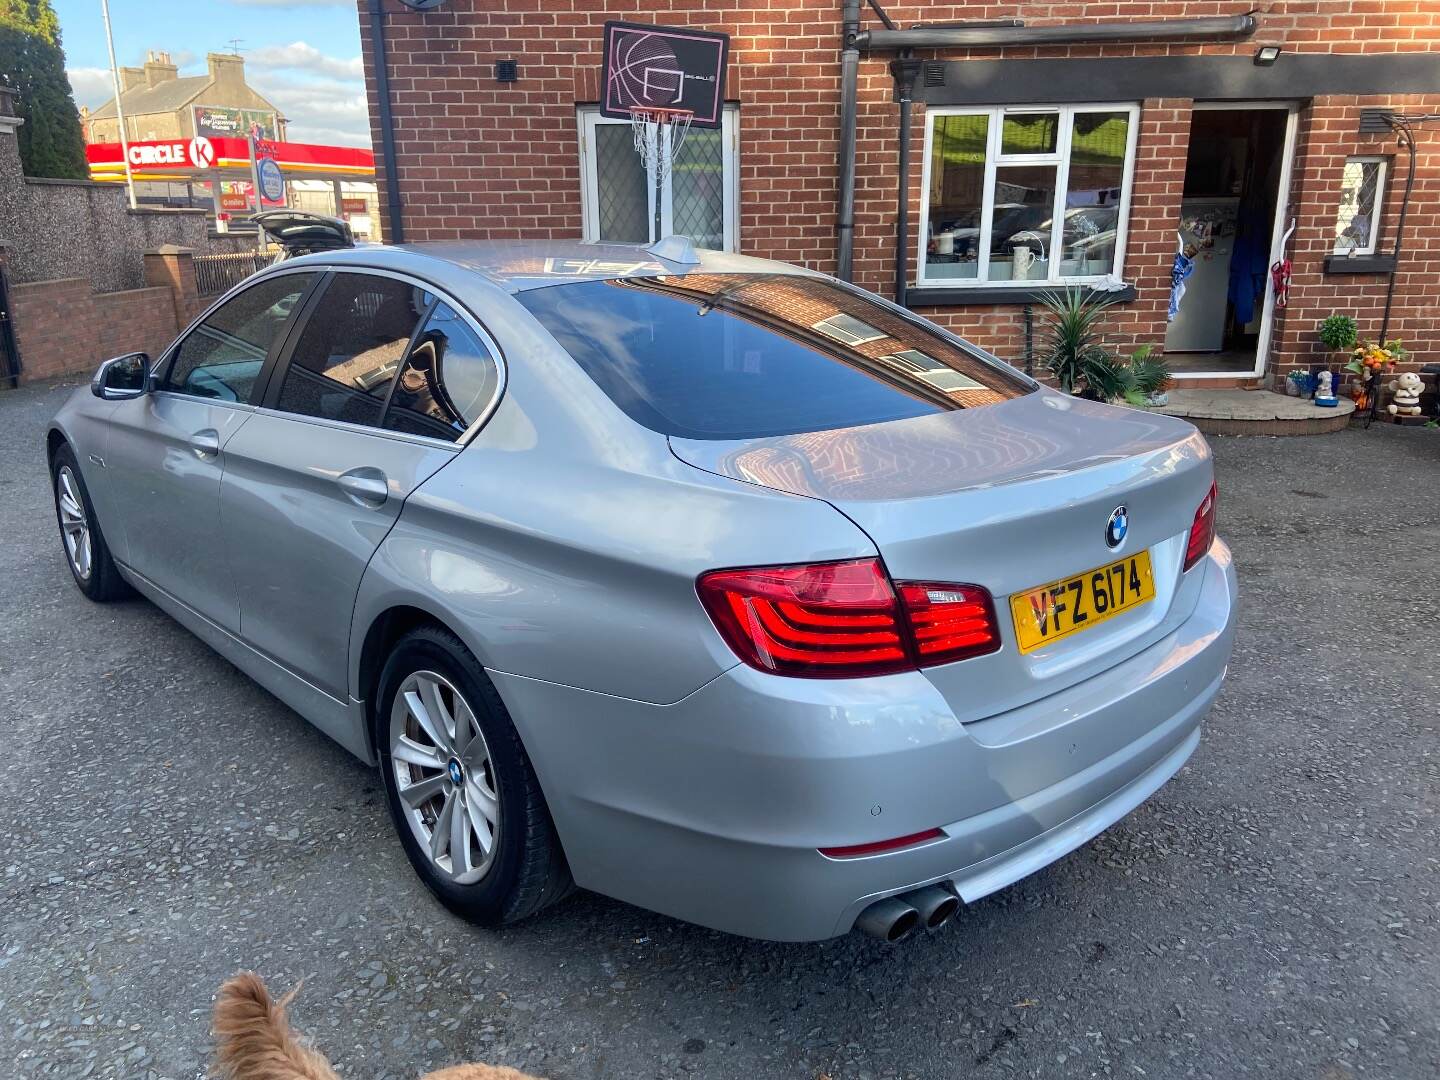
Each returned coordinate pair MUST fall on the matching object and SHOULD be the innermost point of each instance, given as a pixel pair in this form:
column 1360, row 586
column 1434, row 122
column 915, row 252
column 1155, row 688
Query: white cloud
column 92, row 86
column 322, row 96
column 319, row 110
column 301, row 56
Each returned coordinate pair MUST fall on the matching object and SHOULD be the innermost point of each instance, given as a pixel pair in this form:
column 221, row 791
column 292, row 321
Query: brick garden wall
column 487, row 160
column 64, row 327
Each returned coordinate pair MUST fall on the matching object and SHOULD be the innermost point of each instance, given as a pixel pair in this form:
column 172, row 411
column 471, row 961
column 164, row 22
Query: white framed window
column 1026, row 195
column 1362, row 199
column 700, row 199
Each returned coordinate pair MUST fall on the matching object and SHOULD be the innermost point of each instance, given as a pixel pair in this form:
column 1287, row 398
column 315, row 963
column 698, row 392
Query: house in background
column 159, row 104
column 1058, row 145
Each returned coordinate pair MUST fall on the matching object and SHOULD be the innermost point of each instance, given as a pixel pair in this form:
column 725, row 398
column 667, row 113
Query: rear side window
column 222, row 357
column 449, row 378
column 738, row 356
column 351, row 348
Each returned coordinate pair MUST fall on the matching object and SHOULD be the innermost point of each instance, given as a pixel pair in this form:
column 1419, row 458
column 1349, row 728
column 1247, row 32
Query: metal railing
column 215, row 274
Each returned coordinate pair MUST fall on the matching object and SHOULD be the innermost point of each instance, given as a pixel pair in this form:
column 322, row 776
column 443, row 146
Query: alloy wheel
column 444, row 776
column 74, row 525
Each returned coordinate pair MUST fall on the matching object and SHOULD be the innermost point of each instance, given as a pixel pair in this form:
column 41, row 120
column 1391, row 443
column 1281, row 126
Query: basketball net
column 658, row 133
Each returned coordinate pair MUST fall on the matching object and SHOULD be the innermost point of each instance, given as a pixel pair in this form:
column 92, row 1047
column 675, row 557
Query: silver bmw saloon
column 711, row 584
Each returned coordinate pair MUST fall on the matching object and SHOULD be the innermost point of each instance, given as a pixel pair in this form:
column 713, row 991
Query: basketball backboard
column 663, row 67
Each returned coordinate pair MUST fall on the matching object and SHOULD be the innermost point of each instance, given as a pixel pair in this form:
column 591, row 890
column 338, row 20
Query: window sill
column 1359, row 264
column 929, row 296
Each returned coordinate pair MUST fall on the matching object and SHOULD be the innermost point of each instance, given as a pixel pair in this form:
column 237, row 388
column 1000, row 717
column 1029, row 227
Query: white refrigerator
column 1199, row 326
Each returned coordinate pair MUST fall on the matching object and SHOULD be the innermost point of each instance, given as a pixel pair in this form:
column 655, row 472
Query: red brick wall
column 481, row 159
column 1328, row 134
column 64, row 327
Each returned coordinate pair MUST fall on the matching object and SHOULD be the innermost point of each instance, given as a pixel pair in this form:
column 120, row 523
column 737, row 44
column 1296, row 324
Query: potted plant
column 1338, row 333
column 1369, row 359
column 1297, row 383
column 1073, row 347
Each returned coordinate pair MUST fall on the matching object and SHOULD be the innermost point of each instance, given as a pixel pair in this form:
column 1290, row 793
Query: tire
column 525, row 869
column 86, row 552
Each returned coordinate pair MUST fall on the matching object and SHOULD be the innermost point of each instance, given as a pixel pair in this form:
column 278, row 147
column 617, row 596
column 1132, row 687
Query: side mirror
column 122, row 377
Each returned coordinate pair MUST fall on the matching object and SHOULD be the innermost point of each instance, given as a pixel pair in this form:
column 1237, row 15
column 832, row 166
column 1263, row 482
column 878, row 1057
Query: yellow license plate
column 1050, row 612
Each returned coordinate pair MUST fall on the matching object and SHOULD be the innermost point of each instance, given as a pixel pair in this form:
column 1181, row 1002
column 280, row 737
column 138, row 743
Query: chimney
column 131, row 77
column 159, row 69
column 226, row 69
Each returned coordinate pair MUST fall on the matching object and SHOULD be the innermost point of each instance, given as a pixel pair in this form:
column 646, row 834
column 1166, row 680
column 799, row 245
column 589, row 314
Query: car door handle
column 365, row 486
column 205, row 443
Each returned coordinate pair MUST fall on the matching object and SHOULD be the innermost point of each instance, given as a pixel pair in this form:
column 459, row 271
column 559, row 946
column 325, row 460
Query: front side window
column 449, row 378
column 698, row 199
column 222, row 357
column 1357, row 220
column 1025, row 195
column 350, row 350
column 739, row 356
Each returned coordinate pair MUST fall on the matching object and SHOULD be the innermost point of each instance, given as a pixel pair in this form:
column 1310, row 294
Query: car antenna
column 675, row 249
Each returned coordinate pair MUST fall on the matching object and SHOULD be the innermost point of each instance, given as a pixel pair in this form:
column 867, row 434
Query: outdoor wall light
column 1266, row 55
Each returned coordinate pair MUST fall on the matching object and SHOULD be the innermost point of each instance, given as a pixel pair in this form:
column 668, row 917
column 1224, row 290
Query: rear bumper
column 712, row 809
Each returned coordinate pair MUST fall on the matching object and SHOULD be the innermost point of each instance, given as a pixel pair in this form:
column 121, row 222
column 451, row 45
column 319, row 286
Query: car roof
column 520, row 265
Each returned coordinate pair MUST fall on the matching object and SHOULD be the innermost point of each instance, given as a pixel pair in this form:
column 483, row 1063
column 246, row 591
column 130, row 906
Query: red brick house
column 1047, row 144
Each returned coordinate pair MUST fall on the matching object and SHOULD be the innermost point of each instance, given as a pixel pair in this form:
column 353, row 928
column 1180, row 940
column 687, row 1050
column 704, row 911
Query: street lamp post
column 119, row 110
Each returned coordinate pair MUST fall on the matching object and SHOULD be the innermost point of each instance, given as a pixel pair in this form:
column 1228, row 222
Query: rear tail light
column 830, row 620
column 949, row 622
column 1202, row 532
column 844, row 619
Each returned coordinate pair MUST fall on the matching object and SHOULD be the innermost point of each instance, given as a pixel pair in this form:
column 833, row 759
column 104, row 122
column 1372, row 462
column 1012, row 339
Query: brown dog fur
column 254, row 1041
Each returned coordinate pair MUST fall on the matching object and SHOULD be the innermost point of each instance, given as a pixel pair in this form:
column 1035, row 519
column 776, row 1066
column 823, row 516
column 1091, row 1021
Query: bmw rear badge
column 1117, row 527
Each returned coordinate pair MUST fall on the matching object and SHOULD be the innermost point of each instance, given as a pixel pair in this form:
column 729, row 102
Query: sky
column 304, row 55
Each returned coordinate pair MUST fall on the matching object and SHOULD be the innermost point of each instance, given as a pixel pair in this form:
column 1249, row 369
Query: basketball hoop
column 663, row 80
column 659, row 133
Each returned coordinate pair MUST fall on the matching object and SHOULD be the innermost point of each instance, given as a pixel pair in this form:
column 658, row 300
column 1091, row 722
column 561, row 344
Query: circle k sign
column 198, row 153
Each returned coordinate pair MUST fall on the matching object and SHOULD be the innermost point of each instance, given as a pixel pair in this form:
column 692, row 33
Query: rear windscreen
column 739, row 356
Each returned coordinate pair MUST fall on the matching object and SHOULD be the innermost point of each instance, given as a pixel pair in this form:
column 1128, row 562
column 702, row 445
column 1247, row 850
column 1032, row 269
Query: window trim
column 1376, row 216
column 1060, row 159
column 276, row 377
column 587, row 118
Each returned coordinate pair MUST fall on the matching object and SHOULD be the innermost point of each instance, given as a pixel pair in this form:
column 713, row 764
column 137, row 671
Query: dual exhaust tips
column 897, row 917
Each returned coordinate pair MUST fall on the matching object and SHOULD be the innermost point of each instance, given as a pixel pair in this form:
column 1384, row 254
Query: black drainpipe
column 904, row 71
column 1029, row 313
column 394, row 227
column 1223, row 28
column 849, row 79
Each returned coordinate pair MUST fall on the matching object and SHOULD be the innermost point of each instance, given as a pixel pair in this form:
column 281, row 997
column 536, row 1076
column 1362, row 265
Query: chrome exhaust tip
column 935, row 906
column 890, row 920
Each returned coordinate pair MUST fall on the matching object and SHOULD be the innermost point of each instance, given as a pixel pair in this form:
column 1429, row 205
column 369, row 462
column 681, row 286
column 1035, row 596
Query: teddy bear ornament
column 1406, row 389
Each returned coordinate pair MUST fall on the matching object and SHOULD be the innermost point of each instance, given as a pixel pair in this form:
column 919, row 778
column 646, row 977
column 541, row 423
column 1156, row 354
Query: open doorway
column 1236, row 174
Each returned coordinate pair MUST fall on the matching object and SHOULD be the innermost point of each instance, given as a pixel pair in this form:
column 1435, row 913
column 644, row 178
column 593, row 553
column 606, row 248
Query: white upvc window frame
column 1060, row 158
column 1376, row 213
column 588, row 118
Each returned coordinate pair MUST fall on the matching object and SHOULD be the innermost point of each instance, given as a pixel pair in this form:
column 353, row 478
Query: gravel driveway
column 1271, row 912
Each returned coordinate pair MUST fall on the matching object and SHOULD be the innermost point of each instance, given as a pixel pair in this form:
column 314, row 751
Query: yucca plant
column 1074, row 349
